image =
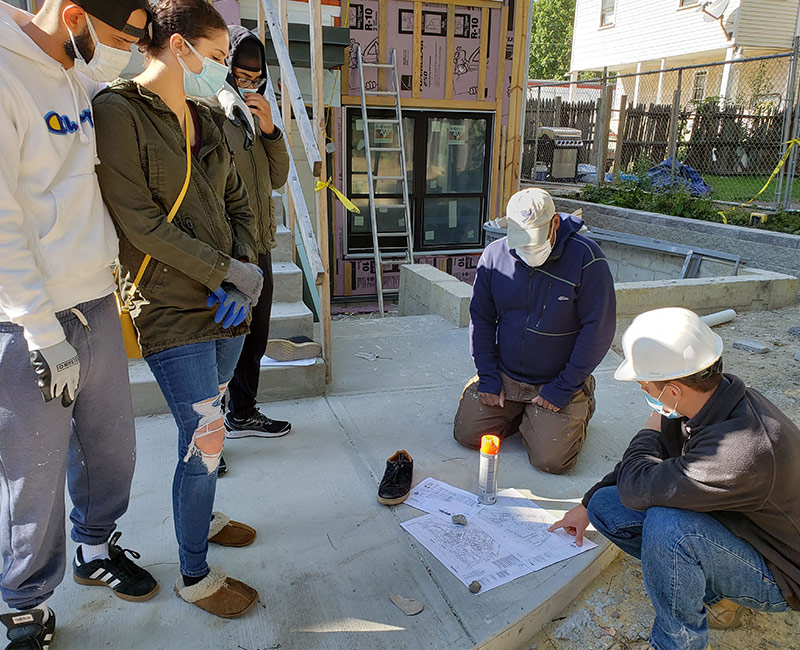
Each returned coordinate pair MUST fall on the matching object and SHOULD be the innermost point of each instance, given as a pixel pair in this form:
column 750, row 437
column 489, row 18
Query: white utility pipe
column 719, row 317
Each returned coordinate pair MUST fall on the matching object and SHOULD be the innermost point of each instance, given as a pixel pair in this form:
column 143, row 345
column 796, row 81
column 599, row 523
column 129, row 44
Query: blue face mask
column 658, row 406
column 206, row 83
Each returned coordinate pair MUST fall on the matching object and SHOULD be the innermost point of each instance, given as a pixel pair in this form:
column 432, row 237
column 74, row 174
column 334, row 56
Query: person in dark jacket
column 263, row 167
column 706, row 494
column 543, row 315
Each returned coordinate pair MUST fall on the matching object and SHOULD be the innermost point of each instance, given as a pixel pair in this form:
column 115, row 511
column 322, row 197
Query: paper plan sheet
column 499, row 543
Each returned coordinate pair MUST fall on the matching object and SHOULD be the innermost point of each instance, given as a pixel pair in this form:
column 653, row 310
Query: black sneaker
column 256, row 425
column 28, row 631
column 126, row 579
column 396, row 483
column 222, row 468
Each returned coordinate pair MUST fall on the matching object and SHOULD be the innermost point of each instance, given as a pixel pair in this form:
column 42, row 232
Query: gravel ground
column 614, row 612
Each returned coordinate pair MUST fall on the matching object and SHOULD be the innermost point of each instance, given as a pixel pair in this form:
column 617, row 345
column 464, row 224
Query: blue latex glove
column 233, row 305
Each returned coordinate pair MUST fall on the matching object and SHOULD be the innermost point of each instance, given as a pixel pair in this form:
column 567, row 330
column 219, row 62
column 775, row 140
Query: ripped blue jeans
column 193, row 379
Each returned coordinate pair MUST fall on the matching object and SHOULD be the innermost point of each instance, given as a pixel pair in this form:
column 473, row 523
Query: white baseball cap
column 667, row 343
column 529, row 213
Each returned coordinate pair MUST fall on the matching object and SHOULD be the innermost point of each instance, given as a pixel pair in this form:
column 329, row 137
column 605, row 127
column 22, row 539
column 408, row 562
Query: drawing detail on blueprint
column 501, row 542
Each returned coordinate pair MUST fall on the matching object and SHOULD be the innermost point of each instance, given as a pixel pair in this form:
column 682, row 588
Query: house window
column 447, row 160
column 688, row 3
column 607, row 13
column 699, row 85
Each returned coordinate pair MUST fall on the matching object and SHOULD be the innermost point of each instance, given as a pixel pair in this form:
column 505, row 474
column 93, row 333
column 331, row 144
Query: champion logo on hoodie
column 62, row 124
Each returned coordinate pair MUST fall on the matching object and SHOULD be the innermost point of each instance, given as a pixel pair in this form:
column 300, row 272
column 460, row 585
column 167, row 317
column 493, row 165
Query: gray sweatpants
column 91, row 443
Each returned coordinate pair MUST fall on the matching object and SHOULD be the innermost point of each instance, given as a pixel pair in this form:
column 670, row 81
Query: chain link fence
column 717, row 130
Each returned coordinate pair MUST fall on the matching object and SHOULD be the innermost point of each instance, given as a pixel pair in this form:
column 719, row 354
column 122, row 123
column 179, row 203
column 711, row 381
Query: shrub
column 682, row 204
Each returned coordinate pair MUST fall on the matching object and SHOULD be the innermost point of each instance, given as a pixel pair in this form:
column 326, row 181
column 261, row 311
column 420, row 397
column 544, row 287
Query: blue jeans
column 689, row 560
column 193, row 378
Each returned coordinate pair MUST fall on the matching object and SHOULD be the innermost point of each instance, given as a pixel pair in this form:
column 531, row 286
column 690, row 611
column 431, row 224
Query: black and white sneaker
column 126, row 579
column 258, row 425
column 28, row 630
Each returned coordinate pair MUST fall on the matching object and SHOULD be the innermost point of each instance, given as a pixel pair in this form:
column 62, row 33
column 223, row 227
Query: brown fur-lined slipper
column 219, row 595
column 226, row 532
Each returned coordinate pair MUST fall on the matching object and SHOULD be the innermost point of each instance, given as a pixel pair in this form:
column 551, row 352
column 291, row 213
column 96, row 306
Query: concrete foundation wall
column 631, row 264
column 427, row 290
column 762, row 249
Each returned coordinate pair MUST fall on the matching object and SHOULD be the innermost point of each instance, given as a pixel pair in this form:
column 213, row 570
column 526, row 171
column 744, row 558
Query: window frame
column 418, row 188
column 688, row 4
column 604, row 13
column 699, row 74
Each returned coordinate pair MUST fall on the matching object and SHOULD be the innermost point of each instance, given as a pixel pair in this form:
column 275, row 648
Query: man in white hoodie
column 65, row 404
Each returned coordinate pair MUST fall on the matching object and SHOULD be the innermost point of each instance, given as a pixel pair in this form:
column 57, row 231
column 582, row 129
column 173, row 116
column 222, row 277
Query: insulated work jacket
column 737, row 460
column 264, row 167
column 142, row 152
column 547, row 325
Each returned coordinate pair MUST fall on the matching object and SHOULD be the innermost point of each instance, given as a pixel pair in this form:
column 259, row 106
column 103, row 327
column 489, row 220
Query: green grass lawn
column 744, row 188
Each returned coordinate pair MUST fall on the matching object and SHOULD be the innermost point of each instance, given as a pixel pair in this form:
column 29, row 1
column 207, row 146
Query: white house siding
column 767, row 23
column 644, row 30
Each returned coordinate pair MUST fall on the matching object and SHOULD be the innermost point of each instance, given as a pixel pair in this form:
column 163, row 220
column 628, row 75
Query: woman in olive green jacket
column 202, row 257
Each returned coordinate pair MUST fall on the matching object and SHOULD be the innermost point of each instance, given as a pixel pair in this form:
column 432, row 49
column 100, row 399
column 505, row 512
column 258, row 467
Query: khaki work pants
column 552, row 440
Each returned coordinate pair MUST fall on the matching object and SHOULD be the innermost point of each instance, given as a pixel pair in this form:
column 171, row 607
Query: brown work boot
column 725, row 615
column 219, row 594
column 226, row 532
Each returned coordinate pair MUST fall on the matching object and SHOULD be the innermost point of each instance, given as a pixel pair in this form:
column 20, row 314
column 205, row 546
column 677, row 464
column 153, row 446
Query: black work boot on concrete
column 396, row 483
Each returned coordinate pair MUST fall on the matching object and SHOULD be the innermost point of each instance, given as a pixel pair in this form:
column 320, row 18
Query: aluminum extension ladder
column 407, row 255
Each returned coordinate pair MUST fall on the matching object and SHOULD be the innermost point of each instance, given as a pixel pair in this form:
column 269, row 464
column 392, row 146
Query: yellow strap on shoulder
column 347, row 203
column 178, row 201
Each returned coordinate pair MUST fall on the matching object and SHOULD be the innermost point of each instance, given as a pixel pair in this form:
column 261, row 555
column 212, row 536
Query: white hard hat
column 667, row 344
column 529, row 213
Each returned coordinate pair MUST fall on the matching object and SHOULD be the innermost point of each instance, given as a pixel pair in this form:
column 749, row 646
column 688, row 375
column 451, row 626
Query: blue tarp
column 686, row 178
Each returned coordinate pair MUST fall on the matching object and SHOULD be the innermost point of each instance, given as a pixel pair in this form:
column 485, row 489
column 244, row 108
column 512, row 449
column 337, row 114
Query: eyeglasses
column 247, row 82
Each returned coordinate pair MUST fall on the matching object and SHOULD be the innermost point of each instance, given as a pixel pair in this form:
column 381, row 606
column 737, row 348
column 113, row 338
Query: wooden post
column 318, row 105
column 607, row 126
column 416, row 74
column 497, row 160
column 501, row 182
column 557, row 114
column 383, row 43
column 673, row 131
column 482, row 56
column 518, row 76
column 450, row 52
column 623, row 113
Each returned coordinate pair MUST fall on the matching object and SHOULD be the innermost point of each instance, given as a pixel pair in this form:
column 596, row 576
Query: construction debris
column 749, row 345
column 474, row 586
column 408, row 606
column 461, row 520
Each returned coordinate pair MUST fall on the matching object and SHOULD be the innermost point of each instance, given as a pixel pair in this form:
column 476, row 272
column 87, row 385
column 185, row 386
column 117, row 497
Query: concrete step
column 276, row 383
column 283, row 251
column 290, row 319
column 288, row 279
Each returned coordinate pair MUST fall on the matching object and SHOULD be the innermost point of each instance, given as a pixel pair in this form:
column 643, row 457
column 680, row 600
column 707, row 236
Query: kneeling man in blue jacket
column 543, row 315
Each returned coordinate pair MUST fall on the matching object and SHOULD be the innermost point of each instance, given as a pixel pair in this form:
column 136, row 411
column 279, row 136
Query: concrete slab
column 328, row 555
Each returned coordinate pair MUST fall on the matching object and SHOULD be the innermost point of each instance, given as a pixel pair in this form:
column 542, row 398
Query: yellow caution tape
column 781, row 163
column 347, row 203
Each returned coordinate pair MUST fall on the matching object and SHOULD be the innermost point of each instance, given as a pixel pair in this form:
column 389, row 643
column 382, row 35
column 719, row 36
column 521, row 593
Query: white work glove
column 57, row 371
column 247, row 278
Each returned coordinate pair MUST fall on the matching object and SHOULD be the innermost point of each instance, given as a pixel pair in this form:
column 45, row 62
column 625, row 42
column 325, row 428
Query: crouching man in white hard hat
column 706, row 495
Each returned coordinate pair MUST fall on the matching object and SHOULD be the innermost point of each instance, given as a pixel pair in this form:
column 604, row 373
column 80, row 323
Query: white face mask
column 107, row 62
column 206, row 83
column 534, row 256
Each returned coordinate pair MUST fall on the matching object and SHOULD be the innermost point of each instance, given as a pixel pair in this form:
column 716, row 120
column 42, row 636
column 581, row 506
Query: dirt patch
column 614, row 613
